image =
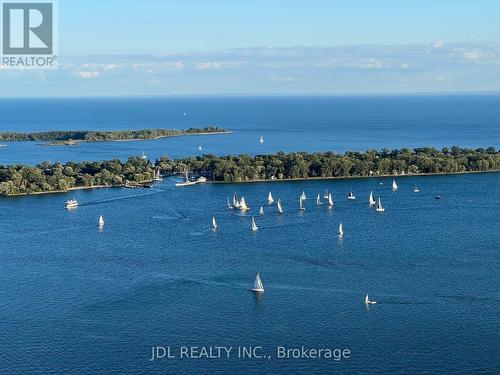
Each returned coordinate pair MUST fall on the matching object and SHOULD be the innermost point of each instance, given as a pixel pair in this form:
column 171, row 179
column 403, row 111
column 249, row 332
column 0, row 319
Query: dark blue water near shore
column 77, row 300
column 286, row 123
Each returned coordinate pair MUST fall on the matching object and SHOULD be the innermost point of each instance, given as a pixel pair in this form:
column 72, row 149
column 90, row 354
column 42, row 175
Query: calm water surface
column 77, row 300
column 286, row 123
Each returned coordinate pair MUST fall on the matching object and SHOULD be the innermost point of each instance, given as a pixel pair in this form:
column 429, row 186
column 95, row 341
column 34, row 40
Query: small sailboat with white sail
column 341, row 230
column 236, row 202
column 229, row 206
column 318, row 200
column 351, row 196
column 394, row 185
column 270, row 199
column 326, row 194
column 261, row 139
column 416, row 189
column 303, row 196
column 371, row 199
column 380, row 208
column 101, row 221
column 214, row 223
column 144, row 155
column 280, row 208
column 157, row 176
column 258, row 286
column 301, row 204
column 261, row 211
column 254, row 225
column 368, row 301
column 243, row 204
column 330, row 200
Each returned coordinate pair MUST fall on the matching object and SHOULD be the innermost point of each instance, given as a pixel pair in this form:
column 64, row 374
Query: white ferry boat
column 72, row 203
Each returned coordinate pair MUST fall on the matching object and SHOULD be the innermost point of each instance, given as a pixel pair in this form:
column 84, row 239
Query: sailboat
column 318, row 200
column 394, row 185
column 280, row 209
column 144, row 155
column 101, row 221
column 379, row 206
column 341, row 231
column 371, row 199
column 351, row 196
column 303, row 196
column 270, row 199
column 416, row 189
column 199, row 148
column 229, row 207
column 258, row 286
column 243, row 204
column 261, row 211
column 214, row 223
column 301, row 204
column 157, row 176
column 186, row 182
column 254, row 226
column 330, row 200
column 368, row 302
column 326, row 194
column 261, row 140
column 236, row 203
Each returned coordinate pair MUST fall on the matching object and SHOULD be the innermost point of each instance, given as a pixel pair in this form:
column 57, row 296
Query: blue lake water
column 286, row 123
column 74, row 299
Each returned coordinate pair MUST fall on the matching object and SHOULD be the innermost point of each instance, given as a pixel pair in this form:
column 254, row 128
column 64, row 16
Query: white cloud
column 208, row 65
column 438, row 44
column 87, row 74
column 473, row 55
column 440, row 79
column 405, row 66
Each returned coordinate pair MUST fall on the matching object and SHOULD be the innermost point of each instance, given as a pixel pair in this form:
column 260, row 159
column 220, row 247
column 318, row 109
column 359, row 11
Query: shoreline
column 353, row 177
column 76, row 142
column 256, row 181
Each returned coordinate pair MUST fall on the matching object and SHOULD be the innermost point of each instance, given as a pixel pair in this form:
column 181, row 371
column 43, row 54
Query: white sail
column 236, row 203
column 254, row 225
column 379, row 206
column 303, row 196
column 394, row 185
column 229, row 204
column 326, row 194
column 101, row 221
column 318, row 200
column 243, row 204
column 371, row 199
column 280, row 209
column 367, row 300
column 258, row 286
column 416, row 189
column 199, row 148
column 351, row 196
column 261, row 140
column 270, row 199
column 214, row 223
column 330, row 200
column 261, row 211
column 341, row 230
column 301, row 204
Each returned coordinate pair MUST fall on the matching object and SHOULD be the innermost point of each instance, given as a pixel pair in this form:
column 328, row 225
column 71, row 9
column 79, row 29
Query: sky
column 203, row 47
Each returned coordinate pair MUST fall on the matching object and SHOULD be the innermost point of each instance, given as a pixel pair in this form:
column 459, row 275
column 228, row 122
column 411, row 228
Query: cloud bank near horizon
column 437, row 67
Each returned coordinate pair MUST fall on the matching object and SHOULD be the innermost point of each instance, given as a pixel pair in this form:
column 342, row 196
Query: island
column 71, row 137
column 57, row 177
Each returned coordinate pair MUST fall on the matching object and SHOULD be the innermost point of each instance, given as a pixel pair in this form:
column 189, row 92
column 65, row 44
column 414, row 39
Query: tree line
column 102, row 136
column 47, row 177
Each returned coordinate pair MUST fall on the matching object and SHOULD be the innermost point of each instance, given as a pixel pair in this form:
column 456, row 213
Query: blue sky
column 189, row 47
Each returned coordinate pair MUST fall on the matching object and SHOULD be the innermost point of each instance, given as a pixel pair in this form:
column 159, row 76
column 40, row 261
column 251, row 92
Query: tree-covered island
column 70, row 137
column 56, row 177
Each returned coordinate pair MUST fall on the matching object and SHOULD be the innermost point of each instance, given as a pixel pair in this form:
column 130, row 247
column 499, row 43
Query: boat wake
column 132, row 196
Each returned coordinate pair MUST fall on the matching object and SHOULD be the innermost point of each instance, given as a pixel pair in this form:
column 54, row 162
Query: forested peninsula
column 70, row 137
column 57, row 177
